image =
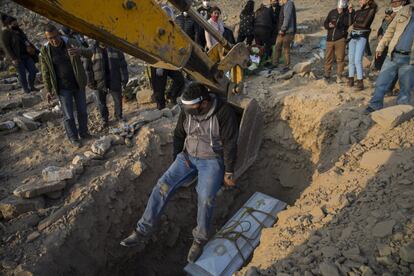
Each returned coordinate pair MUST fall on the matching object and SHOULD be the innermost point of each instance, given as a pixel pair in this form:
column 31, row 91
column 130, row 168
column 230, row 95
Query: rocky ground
column 347, row 177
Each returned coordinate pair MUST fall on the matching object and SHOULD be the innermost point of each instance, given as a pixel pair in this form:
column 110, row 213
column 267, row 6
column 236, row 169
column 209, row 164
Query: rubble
column 56, row 174
column 12, row 207
column 303, row 67
column 7, row 125
column 11, row 104
column 407, row 253
column 391, row 117
column 26, row 124
column 43, row 115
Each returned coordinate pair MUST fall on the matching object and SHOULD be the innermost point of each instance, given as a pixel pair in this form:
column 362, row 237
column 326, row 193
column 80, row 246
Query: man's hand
column 73, row 51
column 331, row 25
column 350, row 8
column 49, row 97
column 15, row 62
column 378, row 54
column 229, row 180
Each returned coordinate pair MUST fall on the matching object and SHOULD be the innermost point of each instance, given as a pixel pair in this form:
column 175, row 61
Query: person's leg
column 31, row 68
column 330, row 47
column 210, row 179
column 340, row 56
column 177, row 85
column 351, row 57
column 268, row 44
column 66, row 101
column 21, row 71
column 359, row 54
column 278, row 50
column 406, row 78
column 287, row 41
column 388, row 72
column 117, row 97
column 100, row 98
column 158, row 85
column 81, row 110
column 177, row 174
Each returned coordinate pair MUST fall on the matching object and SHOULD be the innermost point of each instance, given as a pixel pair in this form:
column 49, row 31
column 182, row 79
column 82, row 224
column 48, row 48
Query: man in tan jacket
column 399, row 62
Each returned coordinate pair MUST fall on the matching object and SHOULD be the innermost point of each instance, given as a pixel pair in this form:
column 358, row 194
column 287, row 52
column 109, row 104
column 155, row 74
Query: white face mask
column 206, row 4
column 397, row 9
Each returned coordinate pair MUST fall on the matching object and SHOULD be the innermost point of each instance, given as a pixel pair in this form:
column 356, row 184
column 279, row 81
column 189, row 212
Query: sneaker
column 195, row 251
column 368, row 110
column 75, row 143
column 135, row 239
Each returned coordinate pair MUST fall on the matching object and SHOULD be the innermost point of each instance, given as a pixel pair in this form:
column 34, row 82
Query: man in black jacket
column 336, row 23
column 15, row 44
column 205, row 145
column 205, row 11
column 107, row 72
column 189, row 26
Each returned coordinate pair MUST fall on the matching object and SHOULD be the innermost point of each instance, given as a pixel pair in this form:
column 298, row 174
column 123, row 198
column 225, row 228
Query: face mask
column 206, row 4
column 185, row 14
column 397, row 9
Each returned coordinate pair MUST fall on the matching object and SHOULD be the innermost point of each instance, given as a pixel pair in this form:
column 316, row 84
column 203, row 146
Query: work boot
column 369, row 110
column 359, row 85
column 351, row 81
column 195, row 251
column 75, row 143
column 135, row 239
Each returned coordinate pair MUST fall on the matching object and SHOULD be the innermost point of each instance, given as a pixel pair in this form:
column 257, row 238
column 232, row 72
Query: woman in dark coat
column 246, row 30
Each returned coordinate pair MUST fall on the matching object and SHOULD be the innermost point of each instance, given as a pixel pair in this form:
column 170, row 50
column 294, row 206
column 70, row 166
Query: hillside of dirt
column 347, row 179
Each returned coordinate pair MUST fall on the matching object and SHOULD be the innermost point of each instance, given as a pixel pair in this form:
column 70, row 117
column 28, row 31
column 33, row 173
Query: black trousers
column 263, row 37
column 100, row 96
column 159, row 84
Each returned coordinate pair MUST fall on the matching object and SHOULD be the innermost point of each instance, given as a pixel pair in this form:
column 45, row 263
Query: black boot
column 359, row 85
column 351, row 81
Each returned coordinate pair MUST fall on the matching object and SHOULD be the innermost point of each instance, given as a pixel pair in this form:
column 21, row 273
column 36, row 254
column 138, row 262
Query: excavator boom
column 142, row 29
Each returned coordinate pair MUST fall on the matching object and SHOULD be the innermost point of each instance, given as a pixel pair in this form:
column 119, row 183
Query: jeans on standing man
column 66, row 98
column 399, row 66
column 26, row 81
column 355, row 55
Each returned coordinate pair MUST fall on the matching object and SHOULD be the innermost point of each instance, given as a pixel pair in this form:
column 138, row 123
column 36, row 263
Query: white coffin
column 220, row 256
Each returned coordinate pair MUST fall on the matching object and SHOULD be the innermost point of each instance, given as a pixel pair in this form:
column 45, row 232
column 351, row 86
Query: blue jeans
column 66, row 98
column 399, row 66
column 355, row 55
column 210, row 178
column 100, row 97
column 27, row 82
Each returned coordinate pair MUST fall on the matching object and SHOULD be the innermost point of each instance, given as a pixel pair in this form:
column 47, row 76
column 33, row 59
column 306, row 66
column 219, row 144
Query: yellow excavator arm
column 142, row 29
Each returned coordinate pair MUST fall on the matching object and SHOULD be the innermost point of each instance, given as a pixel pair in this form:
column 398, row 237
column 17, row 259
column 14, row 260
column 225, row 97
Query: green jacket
column 48, row 72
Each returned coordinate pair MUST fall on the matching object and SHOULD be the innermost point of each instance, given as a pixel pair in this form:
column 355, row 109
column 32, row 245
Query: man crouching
column 205, row 145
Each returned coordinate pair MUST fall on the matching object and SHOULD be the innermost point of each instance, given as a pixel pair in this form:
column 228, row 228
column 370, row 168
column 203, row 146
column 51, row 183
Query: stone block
column 12, row 206
column 373, row 159
column 30, row 100
column 35, row 189
column 11, row 104
column 7, row 125
column 303, row 67
column 26, row 124
column 391, row 117
column 102, row 145
column 407, row 253
column 53, row 174
column 43, row 115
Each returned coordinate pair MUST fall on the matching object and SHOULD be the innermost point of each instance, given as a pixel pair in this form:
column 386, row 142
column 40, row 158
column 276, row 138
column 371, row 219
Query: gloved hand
column 159, row 72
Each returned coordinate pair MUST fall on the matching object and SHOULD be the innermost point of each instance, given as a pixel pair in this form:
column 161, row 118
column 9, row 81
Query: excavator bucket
column 250, row 135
